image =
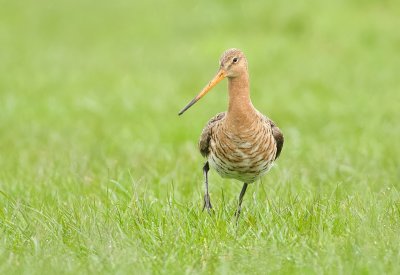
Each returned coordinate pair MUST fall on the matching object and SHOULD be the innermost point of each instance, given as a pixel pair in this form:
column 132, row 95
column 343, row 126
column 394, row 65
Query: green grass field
column 98, row 174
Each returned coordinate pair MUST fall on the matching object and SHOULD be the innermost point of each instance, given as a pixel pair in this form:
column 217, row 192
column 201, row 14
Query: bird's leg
column 239, row 209
column 207, row 202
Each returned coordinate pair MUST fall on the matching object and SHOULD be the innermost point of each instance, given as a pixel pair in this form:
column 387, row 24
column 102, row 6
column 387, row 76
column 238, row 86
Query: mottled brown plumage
column 244, row 155
column 241, row 143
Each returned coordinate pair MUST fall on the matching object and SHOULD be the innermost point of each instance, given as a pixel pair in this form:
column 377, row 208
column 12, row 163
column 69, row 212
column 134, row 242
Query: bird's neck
column 240, row 110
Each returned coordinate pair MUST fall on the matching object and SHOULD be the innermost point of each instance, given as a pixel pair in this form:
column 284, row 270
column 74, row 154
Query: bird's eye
column 235, row 60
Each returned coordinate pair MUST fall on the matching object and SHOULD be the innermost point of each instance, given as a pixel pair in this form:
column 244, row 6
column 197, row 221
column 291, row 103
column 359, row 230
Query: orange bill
column 217, row 78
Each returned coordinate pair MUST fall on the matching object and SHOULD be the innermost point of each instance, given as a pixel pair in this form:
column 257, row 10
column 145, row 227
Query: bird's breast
column 244, row 156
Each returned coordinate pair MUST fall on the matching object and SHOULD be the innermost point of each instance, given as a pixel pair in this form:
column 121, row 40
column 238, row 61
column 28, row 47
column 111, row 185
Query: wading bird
column 241, row 143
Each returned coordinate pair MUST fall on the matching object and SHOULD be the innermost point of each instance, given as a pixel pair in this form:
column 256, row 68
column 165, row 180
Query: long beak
column 217, row 78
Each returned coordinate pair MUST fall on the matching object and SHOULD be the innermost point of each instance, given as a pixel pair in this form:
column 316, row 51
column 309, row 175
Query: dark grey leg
column 237, row 214
column 207, row 202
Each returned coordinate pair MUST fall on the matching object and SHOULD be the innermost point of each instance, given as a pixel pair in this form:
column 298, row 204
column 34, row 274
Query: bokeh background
column 89, row 96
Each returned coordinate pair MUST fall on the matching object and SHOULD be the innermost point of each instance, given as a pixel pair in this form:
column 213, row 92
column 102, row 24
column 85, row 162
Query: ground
column 100, row 175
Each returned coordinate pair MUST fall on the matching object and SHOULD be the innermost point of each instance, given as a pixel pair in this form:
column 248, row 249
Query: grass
column 99, row 174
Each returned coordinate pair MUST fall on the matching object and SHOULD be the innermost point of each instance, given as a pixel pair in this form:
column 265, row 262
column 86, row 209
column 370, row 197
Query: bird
column 241, row 143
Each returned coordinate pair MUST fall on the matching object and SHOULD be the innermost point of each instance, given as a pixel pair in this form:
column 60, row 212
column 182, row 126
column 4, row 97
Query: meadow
column 99, row 175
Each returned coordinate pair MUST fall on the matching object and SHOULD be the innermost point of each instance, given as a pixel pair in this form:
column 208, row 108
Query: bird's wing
column 204, row 142
column 278, row 136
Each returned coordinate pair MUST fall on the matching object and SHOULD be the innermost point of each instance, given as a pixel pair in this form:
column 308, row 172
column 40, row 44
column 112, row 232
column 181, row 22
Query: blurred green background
column 89, row 96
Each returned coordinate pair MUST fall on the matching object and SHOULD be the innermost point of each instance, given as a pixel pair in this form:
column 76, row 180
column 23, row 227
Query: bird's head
column 232, row 63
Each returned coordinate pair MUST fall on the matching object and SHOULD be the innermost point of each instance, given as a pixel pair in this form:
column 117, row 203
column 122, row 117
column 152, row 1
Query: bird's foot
column 207, row 203
column 237, row 213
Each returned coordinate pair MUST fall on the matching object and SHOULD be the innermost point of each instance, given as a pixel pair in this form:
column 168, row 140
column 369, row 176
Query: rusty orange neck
column 241, row 111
